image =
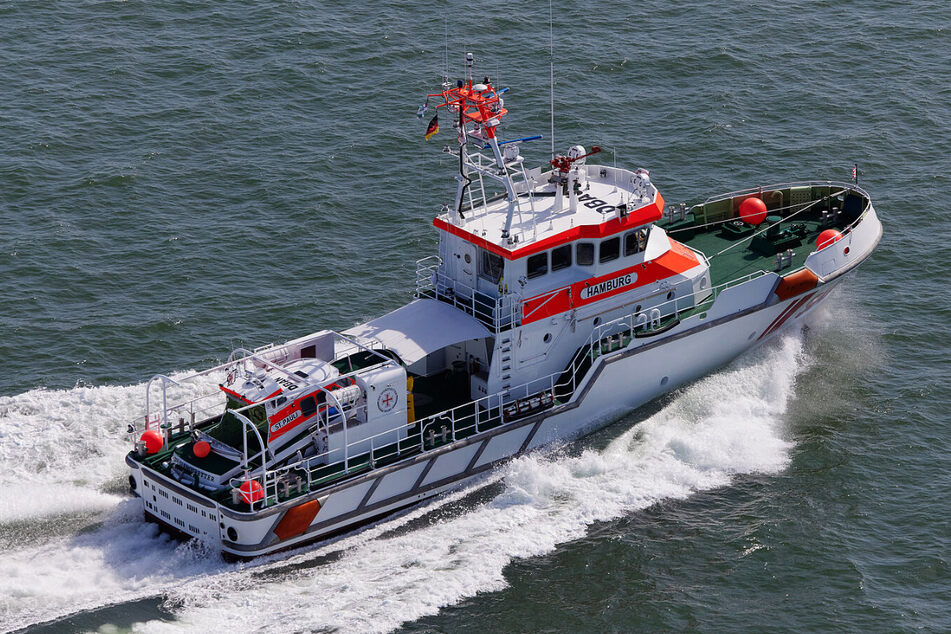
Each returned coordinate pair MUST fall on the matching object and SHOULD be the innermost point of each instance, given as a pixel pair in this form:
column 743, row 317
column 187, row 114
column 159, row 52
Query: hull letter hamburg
column 592, row 291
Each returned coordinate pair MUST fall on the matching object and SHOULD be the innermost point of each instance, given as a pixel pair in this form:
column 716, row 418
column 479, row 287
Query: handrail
column 497, row 313
column 775, row 186
column 470, row 413
column 245, row 423
column 472, row 410
column 148, row 410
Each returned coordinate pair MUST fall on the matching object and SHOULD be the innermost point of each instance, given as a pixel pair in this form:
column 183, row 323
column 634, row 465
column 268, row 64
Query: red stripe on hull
column 786, row 314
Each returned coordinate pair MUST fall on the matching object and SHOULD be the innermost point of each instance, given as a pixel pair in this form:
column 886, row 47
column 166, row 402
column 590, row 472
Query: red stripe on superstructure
column 235, row 394
column 676, row 261
column 249, row 402
column 637, row 218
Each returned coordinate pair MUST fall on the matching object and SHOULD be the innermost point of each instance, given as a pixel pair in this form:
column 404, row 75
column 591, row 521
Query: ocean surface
column 179, row 178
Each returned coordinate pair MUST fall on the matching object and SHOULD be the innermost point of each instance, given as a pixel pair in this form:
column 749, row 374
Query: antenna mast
column 551, row 71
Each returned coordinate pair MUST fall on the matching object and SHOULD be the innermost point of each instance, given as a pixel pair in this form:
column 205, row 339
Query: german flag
column 432, row 128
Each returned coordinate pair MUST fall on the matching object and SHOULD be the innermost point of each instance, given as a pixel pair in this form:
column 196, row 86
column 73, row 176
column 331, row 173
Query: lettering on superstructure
column 595, row 203
column 290, row 385
column 608, row 285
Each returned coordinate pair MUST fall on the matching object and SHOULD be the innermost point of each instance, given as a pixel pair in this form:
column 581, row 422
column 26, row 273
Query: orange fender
column 796, row 284
column 297, row 520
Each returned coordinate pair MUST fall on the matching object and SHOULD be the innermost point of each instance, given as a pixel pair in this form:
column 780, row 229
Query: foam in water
column 59, row 449
column 726, row 424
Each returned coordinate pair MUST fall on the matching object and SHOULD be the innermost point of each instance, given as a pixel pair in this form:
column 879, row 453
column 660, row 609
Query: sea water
column 179, row 179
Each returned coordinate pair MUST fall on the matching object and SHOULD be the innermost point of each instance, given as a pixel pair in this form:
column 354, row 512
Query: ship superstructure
column 560, row 298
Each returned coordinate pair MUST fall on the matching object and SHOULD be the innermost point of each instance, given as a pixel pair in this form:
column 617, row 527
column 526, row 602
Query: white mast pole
column 551, row 72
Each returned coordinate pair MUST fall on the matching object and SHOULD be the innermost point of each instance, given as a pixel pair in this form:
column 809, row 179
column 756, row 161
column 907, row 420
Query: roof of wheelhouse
column 596, row 216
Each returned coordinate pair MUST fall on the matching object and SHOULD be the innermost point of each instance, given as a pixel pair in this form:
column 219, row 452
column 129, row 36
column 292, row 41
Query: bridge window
column 635, row 241
column 490, row 266
column 561, row 257
column 537, row 265
column 584, row 253
column 308, row 406
column 610, row 250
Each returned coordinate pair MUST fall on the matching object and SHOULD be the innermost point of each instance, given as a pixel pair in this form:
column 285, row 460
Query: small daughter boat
column 561, row 298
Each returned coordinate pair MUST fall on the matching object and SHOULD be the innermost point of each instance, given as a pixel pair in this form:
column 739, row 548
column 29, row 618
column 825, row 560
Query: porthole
column 232, row 534
column 547, row 337
column 597, row 321
column 637, row 308
column 703, row 283
column 670, row 295
column 468, row 258
column 664, row 380
column 752, row 334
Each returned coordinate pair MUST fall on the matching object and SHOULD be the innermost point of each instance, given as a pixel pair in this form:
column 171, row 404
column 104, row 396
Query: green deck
column 732, row 257
column 735, row 249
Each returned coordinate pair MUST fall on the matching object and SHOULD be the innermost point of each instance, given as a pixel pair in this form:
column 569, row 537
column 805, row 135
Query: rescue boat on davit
column 560, row 298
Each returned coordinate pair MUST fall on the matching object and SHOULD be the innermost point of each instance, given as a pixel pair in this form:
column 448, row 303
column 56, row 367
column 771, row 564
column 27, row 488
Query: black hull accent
column 181, row 536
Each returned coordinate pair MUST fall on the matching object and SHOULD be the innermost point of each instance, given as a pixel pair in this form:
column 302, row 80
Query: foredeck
column 731, row 256
column 797, row 215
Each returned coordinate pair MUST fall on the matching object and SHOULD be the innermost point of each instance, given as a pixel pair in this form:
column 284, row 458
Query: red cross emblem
column 387, row 399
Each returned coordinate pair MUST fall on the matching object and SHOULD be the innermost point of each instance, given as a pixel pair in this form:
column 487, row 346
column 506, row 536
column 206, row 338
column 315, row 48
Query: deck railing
column 497, row 313
column 418, row 437
column 473, row 417
column 490, row 411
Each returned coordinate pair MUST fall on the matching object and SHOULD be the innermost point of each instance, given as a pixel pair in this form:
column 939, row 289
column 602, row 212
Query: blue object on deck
column 524, row 138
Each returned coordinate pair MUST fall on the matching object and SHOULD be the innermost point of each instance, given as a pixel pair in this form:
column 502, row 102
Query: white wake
column 727, row 424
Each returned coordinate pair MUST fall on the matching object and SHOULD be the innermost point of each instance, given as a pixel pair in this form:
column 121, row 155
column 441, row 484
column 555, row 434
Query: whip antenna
column 551, row 71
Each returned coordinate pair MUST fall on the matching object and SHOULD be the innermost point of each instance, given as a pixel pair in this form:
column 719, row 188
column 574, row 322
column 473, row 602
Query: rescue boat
column 561, row 297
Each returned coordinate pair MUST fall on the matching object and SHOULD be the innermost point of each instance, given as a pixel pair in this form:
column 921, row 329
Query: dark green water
column 182, row 177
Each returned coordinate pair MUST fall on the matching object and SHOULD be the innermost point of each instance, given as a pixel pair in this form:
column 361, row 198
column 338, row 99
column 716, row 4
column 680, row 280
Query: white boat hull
column 617, row 384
